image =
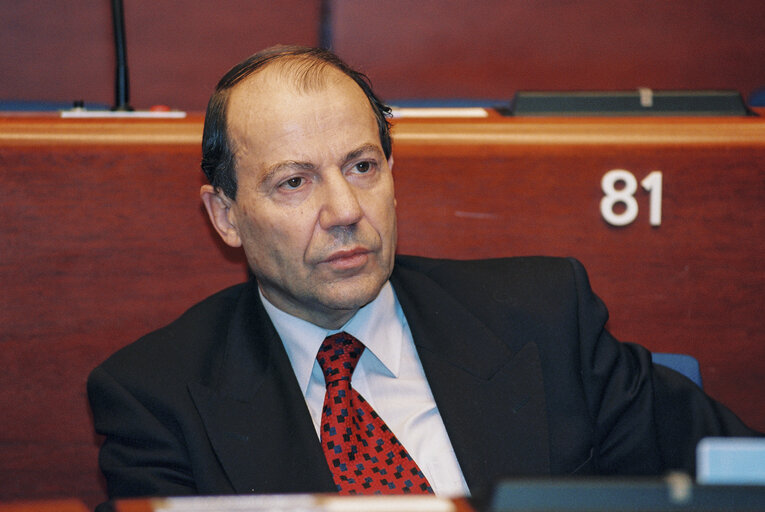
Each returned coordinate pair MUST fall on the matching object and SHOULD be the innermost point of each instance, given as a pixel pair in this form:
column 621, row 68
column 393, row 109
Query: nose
column 340, row 203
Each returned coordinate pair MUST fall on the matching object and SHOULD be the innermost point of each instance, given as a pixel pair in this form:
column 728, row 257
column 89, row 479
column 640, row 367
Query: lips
column 348, row 259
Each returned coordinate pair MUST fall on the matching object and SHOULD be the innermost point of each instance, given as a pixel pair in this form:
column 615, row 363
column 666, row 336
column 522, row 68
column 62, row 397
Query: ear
column 390, row 166
column 218, row 206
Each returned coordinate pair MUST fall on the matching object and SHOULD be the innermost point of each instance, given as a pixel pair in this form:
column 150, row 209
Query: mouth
column 348, row 259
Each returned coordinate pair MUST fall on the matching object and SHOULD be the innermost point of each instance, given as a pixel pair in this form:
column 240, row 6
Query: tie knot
column 338, row 356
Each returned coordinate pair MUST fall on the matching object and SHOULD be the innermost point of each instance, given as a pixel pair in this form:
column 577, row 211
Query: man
column 480, row 370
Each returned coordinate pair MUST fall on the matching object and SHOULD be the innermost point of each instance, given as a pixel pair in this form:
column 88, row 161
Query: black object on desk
column 638, row 102
column 674, row 493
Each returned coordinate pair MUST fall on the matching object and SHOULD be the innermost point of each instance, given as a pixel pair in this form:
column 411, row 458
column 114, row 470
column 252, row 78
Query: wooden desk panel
column 694, row 284
column 104, row 239
column 301, row 502
column 63, row 505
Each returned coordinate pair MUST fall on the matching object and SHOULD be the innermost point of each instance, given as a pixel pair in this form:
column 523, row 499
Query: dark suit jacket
column 526, row 378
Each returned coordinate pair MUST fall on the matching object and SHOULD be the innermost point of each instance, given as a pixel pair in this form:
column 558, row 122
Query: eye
column 293, row 183
column 363, row 167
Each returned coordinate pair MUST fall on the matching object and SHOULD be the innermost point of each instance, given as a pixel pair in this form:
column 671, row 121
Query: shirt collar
column 380, row 325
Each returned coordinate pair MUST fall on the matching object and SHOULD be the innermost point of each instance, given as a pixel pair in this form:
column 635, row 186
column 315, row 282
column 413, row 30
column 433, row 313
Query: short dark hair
column 217, row 154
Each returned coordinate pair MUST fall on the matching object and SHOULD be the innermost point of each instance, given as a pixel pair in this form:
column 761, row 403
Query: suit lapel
column 491, row 399
column 255, row 413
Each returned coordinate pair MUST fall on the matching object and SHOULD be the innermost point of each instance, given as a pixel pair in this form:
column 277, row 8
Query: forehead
column 280, row 100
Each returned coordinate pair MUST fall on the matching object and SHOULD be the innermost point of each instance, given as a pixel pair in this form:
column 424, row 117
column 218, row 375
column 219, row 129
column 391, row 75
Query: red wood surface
column 104, row 239
column 63, row 505
column 177, row 49
column 426, row 48
column 322, row 502
column 491, row 48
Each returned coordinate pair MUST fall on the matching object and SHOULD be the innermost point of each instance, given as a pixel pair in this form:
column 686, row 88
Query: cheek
column 384, row 210
column 283, row 239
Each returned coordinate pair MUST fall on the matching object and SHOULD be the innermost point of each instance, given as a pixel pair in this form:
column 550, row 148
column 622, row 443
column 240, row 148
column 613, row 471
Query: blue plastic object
column 681, row 363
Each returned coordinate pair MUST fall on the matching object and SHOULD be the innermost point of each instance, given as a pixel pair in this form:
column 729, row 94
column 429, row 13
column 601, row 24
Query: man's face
column 315, row 207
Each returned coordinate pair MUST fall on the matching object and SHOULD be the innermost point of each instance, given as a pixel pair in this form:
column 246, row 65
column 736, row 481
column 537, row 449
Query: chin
column 355, row 294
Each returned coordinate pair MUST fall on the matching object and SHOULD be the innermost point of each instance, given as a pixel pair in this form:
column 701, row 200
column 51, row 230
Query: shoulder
column 535, row 297
column 537, row 272
column 188, row 345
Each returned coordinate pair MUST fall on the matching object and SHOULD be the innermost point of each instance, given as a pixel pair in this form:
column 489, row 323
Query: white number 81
column 626, row 195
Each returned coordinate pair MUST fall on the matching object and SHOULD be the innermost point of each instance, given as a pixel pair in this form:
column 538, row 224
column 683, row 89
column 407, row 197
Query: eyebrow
column 366, row 148
column 281, row 166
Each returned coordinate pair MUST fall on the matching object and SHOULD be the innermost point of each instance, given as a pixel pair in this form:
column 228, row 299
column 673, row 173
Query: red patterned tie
column 362, row 452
